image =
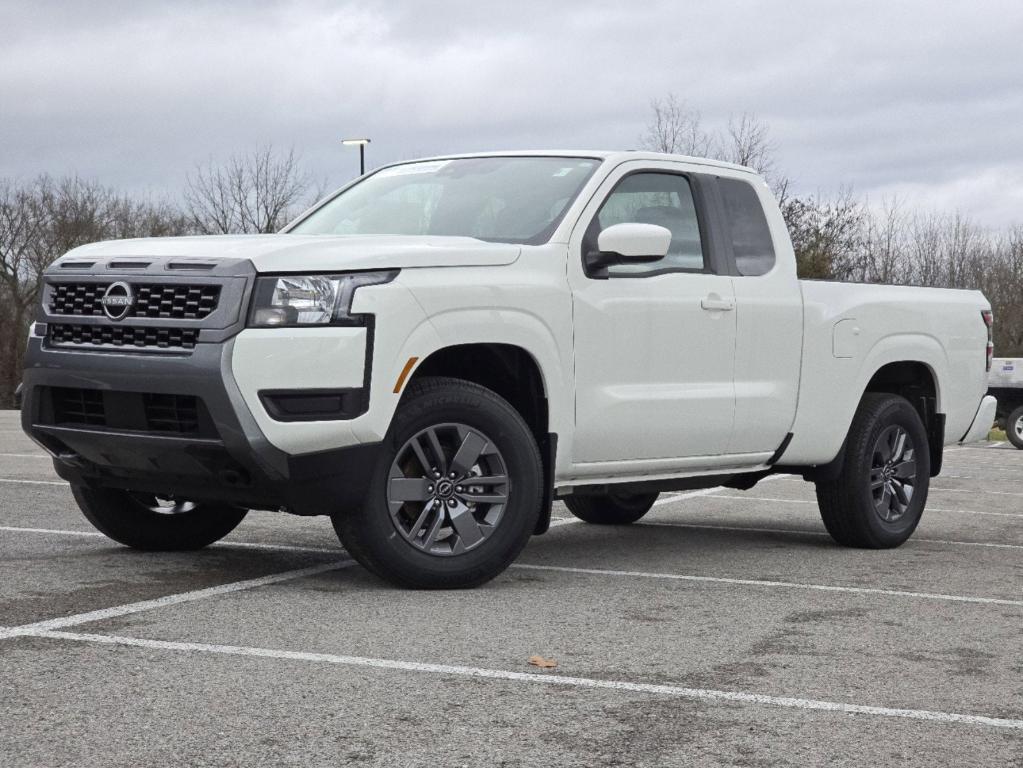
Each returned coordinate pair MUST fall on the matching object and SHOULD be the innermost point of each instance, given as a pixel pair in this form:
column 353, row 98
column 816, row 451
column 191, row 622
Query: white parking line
column 775, row 584
column 972, row 512
column 674, row 691
column 25, row 456
column 965, row 490
column 1002, row 461
column 181, row 597
column 762, row 498
column 33, row 482
column 218, row 545
column 690, row 495
column 1003, row 449
column 997, row 445
column 54, row 531
column 280, row 547
column 983, row 475
column 967, row 543
column 712, row 491
column 824, row 534
column 554, row 523
column 736, row 497
column 741, row 528
column 978, row 468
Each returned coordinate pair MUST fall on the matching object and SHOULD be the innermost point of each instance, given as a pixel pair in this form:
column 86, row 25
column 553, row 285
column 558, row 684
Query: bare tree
column 747, row 142
column 675, row 129
column 44, row 218
column 965, row 246
column 825, row 235
column 255, row 193
column 883, row 246
column 20, row 227
column 1004, row 288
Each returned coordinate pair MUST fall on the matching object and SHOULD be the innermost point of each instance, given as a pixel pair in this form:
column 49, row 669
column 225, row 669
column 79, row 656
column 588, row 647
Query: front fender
column 466, row 307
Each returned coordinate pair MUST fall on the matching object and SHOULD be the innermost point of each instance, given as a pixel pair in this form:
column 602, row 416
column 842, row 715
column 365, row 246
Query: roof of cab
column 606, row 155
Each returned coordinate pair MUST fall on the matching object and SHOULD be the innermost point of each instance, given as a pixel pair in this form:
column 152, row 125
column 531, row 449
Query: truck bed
column 853, row 330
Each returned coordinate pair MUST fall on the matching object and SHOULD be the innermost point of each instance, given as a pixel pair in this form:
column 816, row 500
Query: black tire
column 372, row 535
column 132, row 519
column 1013, row 423
column 848, row 504
column 614, row 508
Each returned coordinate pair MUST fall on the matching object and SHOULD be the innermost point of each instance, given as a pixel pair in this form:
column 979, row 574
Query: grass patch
column 997, row 434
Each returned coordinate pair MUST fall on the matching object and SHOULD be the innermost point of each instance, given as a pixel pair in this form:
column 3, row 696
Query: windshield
column 501, row 199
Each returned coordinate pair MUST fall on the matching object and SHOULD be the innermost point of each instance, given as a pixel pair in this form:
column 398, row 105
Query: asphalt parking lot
column 724, row 629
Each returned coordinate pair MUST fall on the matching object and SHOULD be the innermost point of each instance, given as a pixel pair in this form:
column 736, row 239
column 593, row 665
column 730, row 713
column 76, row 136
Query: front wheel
column 145, row 521
column 614, row 508
column 1014, row 427
column 878, row 498
column 456, row 493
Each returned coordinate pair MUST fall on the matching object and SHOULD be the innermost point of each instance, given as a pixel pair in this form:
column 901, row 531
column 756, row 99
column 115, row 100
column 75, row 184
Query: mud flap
column 548, row 454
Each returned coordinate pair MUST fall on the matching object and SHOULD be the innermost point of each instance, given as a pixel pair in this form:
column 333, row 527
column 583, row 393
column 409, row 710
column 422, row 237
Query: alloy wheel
column 447, row 489
column 893, row 473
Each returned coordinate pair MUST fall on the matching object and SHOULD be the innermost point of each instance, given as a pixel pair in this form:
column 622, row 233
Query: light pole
column 362, row 152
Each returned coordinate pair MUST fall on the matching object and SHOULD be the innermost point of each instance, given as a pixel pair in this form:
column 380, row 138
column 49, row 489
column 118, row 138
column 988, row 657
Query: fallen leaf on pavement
column 540, row 661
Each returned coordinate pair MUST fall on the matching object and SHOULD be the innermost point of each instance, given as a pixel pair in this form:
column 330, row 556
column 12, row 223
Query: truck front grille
column 161, row 300
column 66, row 334
column 134, row 411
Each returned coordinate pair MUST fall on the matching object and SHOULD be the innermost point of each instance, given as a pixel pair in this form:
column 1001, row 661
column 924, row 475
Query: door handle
column 715, row 303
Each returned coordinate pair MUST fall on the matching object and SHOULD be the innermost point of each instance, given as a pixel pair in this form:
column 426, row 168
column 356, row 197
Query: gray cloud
column 910, row 98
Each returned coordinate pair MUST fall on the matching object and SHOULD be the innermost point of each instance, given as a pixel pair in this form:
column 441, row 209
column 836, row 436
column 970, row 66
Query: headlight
column 290, row 300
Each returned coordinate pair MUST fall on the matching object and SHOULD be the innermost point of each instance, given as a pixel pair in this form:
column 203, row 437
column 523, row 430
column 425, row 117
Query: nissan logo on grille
column 117, row 301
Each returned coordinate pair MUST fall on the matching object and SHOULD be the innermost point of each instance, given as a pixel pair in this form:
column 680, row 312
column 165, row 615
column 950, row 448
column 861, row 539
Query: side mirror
column 629, row 243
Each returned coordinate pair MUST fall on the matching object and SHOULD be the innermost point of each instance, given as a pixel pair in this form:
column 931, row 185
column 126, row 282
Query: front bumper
column 227, row 459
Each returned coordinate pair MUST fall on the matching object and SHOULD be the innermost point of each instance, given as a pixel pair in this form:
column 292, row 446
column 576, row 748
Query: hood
column 312, row 253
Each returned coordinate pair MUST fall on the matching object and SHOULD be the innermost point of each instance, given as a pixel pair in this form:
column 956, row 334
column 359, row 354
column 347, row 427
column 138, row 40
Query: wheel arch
column 918, row 383
column 914, row 379
column 516, row 375
column 908, row 378
column 507, row 369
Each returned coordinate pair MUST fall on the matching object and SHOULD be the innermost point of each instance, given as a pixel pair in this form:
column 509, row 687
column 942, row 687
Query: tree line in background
column 844, row 238
column 837, row 238
column 43, row 218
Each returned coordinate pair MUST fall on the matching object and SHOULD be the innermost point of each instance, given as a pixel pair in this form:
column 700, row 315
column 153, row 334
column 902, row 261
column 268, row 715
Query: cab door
column 654, row 343
column 769, row 314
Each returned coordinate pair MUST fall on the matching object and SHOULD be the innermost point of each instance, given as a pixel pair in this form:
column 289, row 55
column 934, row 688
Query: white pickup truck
column 436, row 352
column 1006, row 384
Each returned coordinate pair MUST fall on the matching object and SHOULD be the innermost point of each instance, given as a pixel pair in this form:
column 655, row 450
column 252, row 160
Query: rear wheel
column 145, row 521
column 614, row 508
column 456, row 493
column 877, row 500
column 1014, row 427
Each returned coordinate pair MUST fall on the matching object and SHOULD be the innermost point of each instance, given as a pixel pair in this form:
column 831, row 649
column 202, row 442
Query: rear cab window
column 746, row 226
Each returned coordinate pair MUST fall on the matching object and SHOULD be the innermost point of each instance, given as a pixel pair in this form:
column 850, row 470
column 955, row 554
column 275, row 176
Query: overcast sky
column 919, row 99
